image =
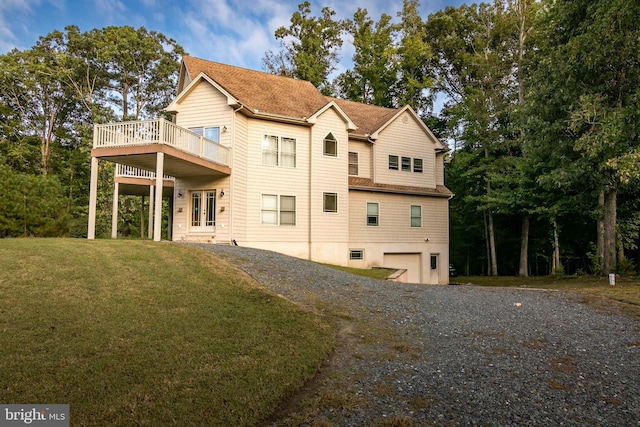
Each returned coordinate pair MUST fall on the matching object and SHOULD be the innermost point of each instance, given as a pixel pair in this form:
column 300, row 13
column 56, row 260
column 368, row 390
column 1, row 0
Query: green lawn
column 141, row 333
column 594, row 289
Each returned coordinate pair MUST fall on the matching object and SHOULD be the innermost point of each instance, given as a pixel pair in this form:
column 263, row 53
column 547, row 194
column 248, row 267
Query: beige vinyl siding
column 239, row 177
column 329, row 174
column 182, row 219
column 364, row 150
column 404, row 138
column 440, row 169
column 206, row 106
column 281, row 181
column 395, row 218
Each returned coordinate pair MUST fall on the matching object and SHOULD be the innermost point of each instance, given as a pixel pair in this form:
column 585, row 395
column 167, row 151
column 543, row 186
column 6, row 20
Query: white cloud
column 13, row 14
column 110, row 9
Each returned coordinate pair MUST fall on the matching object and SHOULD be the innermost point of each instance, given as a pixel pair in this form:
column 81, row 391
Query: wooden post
column 150, row 226
column 157, row 217
column 114, row 213
column 142, row 217
column 93, row 195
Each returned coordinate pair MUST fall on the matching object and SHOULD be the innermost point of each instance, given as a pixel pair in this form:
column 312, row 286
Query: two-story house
column 269, row 162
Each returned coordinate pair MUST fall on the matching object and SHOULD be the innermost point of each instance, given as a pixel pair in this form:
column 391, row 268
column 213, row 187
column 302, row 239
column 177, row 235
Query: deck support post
column 157, row 220
column 114, row 213
column 152, row 192
column 93, row 195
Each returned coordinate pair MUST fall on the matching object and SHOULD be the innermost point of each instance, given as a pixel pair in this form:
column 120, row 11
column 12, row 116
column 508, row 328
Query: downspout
column 231, row 178
column 310, row 210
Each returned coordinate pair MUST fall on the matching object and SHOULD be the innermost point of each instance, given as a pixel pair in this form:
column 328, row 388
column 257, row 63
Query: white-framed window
column 287, row 210
column 373, row 212
column 288, row 152
column 330, row 202
column 416, row 216
column 278, row 151
column 417, row 165
column 406, row 164
column 356, row 254
column 393, row 162
column 269, row 209
column 353, row 163
column 330, row 146
column 211, row 132
column 278, row 210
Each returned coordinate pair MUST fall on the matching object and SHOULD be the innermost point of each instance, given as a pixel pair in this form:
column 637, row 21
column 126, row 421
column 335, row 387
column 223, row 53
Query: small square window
column 406, row 164
column 372, row 214
column 393, row 162
column 330, row 202
column 417, row 165
column 356, row 254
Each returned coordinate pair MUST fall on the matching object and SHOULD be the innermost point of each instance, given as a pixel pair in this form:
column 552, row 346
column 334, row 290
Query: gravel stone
column 418, row 355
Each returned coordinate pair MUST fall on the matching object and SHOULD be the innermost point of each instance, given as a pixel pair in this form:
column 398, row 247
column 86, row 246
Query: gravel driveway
column 415, row 355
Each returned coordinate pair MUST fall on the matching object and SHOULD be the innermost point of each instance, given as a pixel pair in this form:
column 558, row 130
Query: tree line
column 539, row 106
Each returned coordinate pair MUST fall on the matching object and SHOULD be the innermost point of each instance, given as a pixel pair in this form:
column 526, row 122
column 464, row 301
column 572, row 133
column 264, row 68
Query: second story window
column 278, row 151
column 406, row 164
column 330, row 146
column 212, row 133
column 417, row 165
column 353, row 163
column 393, row 162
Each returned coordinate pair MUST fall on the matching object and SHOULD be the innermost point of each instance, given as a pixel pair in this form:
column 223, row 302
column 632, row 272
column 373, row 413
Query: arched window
column 330, row 146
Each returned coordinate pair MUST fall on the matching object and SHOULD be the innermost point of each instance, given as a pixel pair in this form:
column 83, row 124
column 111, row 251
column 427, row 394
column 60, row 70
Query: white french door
column 203, row 210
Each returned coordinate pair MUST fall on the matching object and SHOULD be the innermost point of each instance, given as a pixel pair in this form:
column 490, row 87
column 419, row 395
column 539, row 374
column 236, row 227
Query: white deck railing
column 159, row 131
column 131, row 172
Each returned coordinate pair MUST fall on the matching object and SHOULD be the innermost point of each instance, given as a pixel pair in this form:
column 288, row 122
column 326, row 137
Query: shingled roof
column 283, row 96
column 261, row 92
column 368, row 118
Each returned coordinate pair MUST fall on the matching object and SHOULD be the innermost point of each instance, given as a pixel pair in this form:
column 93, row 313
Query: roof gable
column 261, row 92
column 332, row 104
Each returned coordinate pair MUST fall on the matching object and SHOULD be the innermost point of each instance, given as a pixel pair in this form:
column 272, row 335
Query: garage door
column 411, row 262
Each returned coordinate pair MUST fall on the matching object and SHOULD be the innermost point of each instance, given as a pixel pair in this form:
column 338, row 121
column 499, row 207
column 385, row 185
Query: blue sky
column 235, row 32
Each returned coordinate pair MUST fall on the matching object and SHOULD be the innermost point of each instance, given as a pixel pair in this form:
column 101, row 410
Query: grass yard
column 142, row 333
column 594, row 289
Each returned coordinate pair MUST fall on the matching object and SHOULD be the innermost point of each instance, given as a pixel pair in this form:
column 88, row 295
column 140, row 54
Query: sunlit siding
column 395, row 218
column 182, row 209
column 265, row 179
column 239, row 177
column 439, row 169
column 364, row 150
column 205, row 106
column 404, row 138
column 329, row 174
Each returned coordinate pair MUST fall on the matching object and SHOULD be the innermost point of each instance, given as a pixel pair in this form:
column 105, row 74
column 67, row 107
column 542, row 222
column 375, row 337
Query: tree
column 309, row 47
column 595, row 46
column 472, row 64
column 373, row 77
column 142, row 67
column 41, row 104
column 415, row 75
